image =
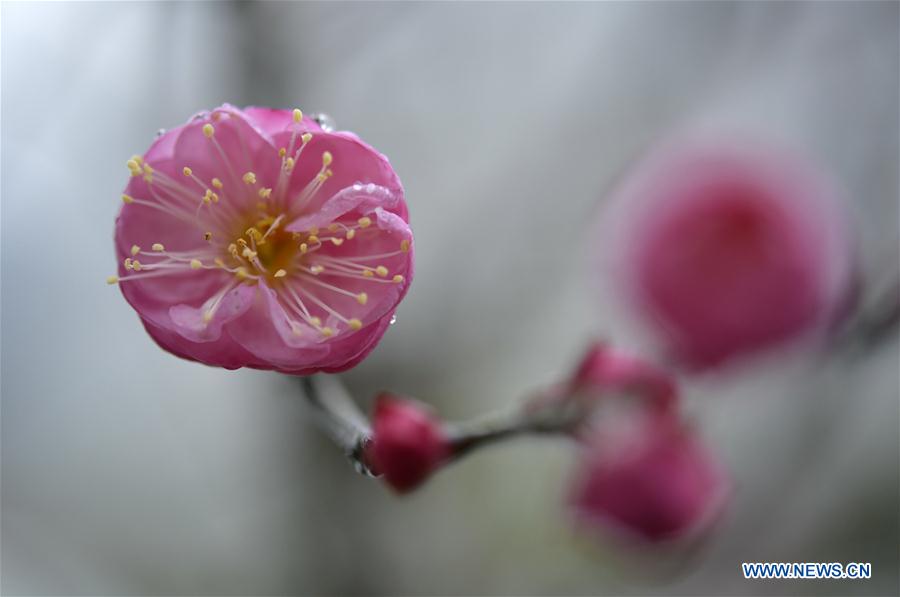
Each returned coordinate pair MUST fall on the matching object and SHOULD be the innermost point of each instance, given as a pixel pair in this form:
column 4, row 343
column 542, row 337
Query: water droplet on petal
column 325, row 121
column 393, row 319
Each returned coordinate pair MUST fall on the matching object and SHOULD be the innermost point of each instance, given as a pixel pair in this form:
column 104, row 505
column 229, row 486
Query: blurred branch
column 339, row 416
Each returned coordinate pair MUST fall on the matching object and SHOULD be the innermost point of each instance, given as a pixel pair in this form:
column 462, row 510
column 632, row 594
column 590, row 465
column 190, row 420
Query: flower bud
column 726, row 248
column 648, row 480
column 408, row 443
column 603, row 368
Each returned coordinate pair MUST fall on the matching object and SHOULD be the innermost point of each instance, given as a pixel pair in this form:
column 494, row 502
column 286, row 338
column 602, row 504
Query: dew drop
column 325, row 121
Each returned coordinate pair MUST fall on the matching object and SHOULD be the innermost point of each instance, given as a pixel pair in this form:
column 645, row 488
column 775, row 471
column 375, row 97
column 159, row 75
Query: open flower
column 254, row 238
column 726, row 248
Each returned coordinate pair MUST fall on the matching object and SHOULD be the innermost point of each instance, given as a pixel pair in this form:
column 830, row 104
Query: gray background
column 128, row 471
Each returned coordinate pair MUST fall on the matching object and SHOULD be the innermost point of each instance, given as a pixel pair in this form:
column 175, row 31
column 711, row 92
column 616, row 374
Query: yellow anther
column 303, row 248
column 207, row 197
column 315, row 321
column 242, row 242
column 327, row 332
column 135, row 250
column 249, row 178
column 327, row 158
column 313, row 238
column 148, row 173
column 362, row 298
column 127, row 264
column 337, row 242
column 333, row 227
column 196, row 264
column 133, row 166
column 321, row 177
column 208, row 130
column 158, row 247
column 219, row 262
column 248, row 253
column 381, row 271
column 282, row 152
column 368, row 273
column 241, row 273
column 289, row 164
column 398, row 279
column 316, row 270
column 232, row 249
column 127, row 199
column 364, row 222
column 404, row 245
column 298, row 115
column 306, row 137
column 350, row 234
column 187, row 171
column 136, row 265
column 138, row 159
column 207, row 315
column 217, row 183
column 354, row 324
column 112, row 279
column 280, row 273
column 265, row 192
column 255, row 234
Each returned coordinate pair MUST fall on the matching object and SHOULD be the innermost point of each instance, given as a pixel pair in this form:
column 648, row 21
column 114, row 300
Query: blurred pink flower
column 253, row 238
column 727, row 248
column 408, row 443
column 647, row 478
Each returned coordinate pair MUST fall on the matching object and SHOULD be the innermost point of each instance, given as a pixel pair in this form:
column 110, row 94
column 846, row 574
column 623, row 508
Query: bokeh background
column 128, row 471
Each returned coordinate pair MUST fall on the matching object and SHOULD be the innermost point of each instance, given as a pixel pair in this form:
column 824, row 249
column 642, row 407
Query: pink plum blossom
column 254, row 238
column 647, row 479
column 408, row 443
column 726, row 248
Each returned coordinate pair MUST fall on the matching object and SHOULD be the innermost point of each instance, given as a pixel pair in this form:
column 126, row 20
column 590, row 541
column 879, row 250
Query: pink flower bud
column 603, row 368
column 648, row 479
column 408, row 442
column 727, row 248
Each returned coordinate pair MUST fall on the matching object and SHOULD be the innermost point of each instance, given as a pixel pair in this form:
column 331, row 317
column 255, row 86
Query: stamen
column 112, row 280
column 217, row 183
column 364, row 222
column 381, row 271
column 355, row 324
column 404, row 245
column 135, row 250
column 208, row 130
column 158, row 247
column 249, row 178
column 280, row 273
column 187, row 171
column 196, row 264
column 398, row 279
column 127, row 199
column 298, row 115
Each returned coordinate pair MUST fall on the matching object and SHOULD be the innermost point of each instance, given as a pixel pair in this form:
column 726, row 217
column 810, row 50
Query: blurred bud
column 727, row 248
column 408, row 442
column 605, row 369
column 648, row 480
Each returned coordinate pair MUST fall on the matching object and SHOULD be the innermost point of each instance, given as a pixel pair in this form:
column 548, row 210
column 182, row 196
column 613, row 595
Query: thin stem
column 337, row 414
